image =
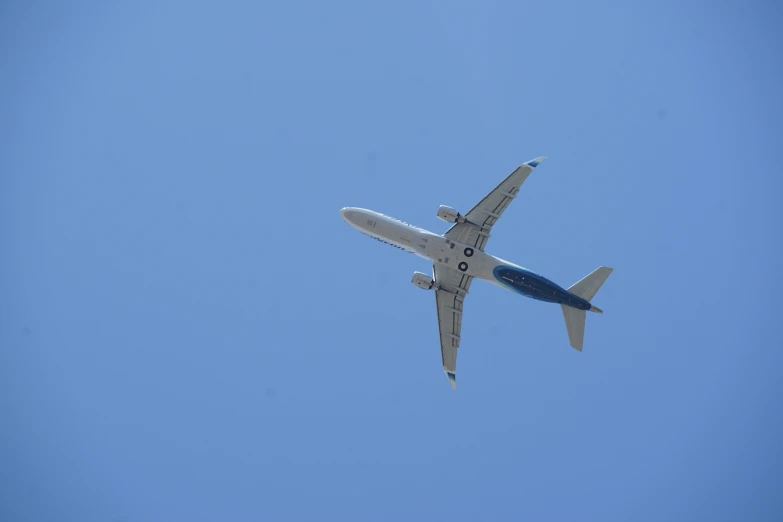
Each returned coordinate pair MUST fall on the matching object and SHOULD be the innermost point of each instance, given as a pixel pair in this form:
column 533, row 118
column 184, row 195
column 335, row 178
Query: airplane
column 458, row 257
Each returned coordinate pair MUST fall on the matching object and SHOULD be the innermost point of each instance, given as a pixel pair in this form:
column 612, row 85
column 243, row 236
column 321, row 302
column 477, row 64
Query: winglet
column 452, row 379
column 534, row 163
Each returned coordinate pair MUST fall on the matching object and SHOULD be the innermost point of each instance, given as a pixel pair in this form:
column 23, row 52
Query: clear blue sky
column 189, row 331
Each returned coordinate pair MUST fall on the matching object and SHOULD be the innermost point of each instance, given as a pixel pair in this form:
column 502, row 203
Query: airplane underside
column 458, row 256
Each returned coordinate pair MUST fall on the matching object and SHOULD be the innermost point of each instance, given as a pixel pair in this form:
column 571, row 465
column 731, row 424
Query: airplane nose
column 347, row 213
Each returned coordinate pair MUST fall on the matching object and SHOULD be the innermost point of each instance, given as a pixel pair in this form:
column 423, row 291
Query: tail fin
column 586, row 288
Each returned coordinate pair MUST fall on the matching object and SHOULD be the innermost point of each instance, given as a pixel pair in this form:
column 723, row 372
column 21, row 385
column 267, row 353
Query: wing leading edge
column 475, row 231
column 451, row 287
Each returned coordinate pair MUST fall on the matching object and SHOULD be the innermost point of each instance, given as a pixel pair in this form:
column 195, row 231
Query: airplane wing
column 451, row 287
column 479, row 221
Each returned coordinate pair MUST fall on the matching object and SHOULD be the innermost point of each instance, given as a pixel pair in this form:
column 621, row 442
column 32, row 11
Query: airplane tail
column 586, row 288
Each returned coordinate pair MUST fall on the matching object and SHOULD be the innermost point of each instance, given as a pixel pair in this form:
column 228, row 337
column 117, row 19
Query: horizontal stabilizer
column 575, row 324
column 588, row 286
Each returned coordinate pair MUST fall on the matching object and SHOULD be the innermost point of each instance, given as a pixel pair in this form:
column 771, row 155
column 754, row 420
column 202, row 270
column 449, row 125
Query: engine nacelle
column 422, row 280
column 448, row 214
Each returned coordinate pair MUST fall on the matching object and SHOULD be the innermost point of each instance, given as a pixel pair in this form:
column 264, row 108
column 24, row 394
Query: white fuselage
column 424, row 243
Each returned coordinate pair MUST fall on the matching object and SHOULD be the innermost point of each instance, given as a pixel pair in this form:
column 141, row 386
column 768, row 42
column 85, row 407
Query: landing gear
column 463, row 266
column 468, row 252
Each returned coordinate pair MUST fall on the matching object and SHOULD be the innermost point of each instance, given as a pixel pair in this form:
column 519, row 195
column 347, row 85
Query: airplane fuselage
column 470, row 261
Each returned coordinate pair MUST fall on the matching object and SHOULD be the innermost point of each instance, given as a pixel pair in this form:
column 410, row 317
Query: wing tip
column 534, row 162
column 452, row 379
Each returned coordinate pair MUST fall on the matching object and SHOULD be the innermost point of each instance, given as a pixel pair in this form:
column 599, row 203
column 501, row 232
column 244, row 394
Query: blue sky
column 189, row 331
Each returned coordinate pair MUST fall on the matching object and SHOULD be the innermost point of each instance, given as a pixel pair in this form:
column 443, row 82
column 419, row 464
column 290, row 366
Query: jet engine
column 448, row 214
column 422, row 280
